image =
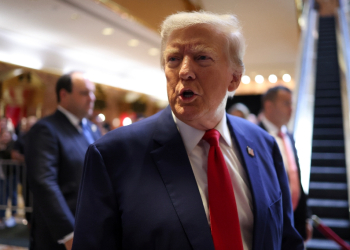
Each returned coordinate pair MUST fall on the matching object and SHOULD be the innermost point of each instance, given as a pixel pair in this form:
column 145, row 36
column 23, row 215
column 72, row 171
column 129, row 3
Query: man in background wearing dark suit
column 277, row 110
column 54, row 154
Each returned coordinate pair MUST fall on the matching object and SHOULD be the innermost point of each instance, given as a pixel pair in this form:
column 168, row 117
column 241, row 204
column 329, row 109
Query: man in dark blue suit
column 54, row 154
column 277, row 111
column 154, row 185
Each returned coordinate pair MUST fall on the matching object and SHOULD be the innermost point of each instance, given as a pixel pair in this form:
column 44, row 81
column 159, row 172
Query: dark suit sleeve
column 291, row 238
column 42, row 159
column 98, row 224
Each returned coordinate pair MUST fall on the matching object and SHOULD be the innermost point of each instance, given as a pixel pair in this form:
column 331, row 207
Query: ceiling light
column 102, row 117
column 259, row 79
column 301, row 22
column 272, row 78
column 286, row 78
column 127, row 121
column 21, row 59
column 107, row 31
column 153, row 52
column 133, row 42
column 245, row 79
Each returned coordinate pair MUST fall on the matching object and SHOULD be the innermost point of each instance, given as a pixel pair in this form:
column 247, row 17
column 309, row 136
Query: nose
column 187, row 69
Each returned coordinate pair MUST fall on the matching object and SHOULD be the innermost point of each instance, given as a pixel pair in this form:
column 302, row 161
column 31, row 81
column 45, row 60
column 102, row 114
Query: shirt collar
column 72, row 118
column 192, row 136
column 272, row 128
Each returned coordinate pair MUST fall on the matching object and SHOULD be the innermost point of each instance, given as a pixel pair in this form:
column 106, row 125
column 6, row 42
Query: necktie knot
column 212, row 136
column 280, row 134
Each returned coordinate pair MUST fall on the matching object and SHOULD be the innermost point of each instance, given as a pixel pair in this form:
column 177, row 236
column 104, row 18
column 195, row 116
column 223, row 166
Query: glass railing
column 343, row 46
column 303, row 100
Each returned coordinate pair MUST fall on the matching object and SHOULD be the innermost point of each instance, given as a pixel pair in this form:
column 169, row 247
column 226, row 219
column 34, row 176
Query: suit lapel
column 70, row 129
column 175, row 169
column 250, row 163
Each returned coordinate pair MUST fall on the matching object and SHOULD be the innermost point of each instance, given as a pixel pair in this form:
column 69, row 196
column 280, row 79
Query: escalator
column 328, row 191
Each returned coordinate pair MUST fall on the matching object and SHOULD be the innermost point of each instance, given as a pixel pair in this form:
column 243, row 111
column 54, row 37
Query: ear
column 235, row 81
column 63, row 94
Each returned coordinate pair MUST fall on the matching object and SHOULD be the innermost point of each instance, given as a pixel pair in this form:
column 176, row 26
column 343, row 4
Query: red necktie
column 224, row 219
column 292, row 170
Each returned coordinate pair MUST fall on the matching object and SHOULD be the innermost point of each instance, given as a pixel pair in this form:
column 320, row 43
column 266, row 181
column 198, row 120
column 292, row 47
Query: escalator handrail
column 344, row 65
column 302, row 123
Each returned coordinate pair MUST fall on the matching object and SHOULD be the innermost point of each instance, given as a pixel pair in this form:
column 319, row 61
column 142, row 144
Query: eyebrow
column 199, row 48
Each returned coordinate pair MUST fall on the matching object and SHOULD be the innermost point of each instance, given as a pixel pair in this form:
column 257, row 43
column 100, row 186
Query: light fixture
column 245, row 79
column 127, row 121
column 301, row 22
column 272, row 78
column 107, row 31
column 153, row 52
column 133, row 42
column 102, row 117
column 259, row 79
column 286, row 78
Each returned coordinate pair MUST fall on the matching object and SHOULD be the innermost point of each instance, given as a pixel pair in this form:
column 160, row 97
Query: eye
column 173, row 61
column 203, row 57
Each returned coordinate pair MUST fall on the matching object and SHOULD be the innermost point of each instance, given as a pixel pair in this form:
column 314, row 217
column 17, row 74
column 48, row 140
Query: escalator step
column 328, row 190
column 329, row 174
column 326, row 78
column 328, row 111
column 328, row 156
column 330, row 146
column 328, row 208
column 329, row 121
column 327, row 93
column 330, row 131
column 327, row 102
column 322, row 244
column 327, row 143
column 340, row 226
column 327, row 159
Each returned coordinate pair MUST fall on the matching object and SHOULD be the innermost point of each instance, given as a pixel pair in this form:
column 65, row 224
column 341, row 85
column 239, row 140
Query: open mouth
column 187, row 94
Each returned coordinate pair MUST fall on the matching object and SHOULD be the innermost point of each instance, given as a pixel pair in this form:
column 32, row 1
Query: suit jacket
column 302, row 212
column 139, row 192
column 54, row 154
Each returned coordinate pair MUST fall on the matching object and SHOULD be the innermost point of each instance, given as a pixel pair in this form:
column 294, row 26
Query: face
column 81, row 100
column 238, row 113
column 198, row 75
column 281, row 108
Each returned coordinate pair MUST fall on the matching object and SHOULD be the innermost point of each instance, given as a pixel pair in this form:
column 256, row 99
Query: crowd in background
column 12, row 141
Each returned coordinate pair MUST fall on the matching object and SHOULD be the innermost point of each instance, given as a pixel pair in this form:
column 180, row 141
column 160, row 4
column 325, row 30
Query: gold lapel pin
column 250, row 151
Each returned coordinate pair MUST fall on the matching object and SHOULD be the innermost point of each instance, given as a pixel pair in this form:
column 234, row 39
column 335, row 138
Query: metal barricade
column 15, row 197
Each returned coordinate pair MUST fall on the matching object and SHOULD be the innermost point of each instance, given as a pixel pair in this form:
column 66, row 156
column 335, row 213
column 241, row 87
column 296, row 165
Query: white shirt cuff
column 66, row 238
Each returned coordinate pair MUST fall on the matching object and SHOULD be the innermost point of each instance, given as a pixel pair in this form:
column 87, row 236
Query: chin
column 187, row 113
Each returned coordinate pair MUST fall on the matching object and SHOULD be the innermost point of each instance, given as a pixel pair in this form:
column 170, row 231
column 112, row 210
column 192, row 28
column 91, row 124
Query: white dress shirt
column 273, row 130
column 72, row 118
column 197, row 151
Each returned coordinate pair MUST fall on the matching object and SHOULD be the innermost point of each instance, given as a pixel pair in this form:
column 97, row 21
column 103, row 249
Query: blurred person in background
column 241, row 110
column 54, row 154
column 8, row 183
column 17, row 152
column 191, row 176
column 277, row 111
